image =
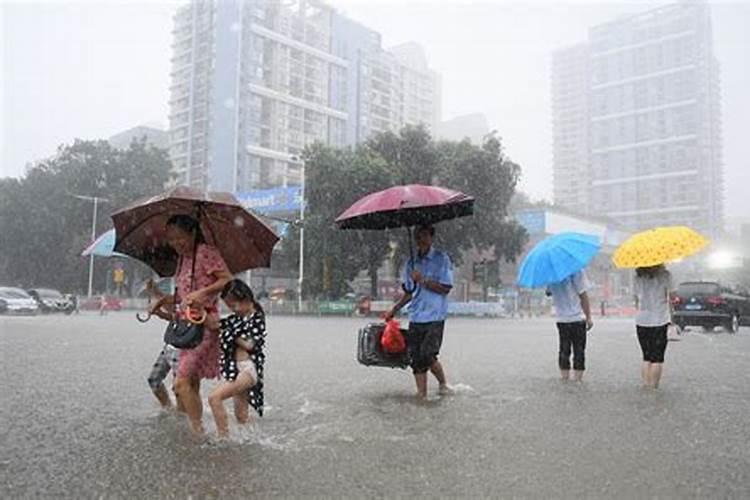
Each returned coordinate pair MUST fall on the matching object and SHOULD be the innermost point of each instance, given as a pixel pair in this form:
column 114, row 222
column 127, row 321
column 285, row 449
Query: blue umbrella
column 103, row 246
column 557, row 257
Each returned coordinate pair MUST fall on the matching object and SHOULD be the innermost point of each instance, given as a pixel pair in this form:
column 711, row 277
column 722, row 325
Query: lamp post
column 301, row 278
column 96, row 200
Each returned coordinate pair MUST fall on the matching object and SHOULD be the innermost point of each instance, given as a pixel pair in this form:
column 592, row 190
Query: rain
column 427, row 249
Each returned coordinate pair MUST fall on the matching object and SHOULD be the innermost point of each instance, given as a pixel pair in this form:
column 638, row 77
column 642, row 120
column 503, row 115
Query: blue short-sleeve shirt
column 426, row 305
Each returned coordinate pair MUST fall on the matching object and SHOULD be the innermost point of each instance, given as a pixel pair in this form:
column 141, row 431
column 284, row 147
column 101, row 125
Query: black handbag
column 182, row 333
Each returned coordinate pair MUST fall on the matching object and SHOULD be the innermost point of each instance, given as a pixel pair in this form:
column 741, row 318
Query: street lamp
column 96, row 200
column 301, row 162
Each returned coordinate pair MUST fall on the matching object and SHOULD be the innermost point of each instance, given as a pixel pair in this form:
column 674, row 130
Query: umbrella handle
column 193, row 319
column 410, row 290
column 141, row 318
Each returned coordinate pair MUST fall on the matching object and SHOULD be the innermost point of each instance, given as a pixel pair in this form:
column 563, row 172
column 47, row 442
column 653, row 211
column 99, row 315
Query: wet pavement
column 77, row 419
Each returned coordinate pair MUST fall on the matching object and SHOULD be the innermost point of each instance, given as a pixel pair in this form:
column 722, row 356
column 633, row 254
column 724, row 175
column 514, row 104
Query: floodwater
column 78, row 420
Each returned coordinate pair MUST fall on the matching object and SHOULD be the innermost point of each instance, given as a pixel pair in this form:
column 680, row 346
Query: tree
column 44, row 227
column 480, row 171
column 485, row 173
column 338, row 177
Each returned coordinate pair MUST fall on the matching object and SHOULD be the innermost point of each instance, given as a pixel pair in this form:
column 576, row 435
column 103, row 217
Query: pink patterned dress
column 203, row 360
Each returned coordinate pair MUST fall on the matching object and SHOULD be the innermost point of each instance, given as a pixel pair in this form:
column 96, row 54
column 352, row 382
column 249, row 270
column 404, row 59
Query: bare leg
column 421, row 380
column 578, row 375
column 646, row 373
column 188, row 392
column 163, row 396
column 656, row 374
column 195, row 387
column 224, row 391
column 565, row 375
column 437, row 371
column 241, row 408
column 180, row 406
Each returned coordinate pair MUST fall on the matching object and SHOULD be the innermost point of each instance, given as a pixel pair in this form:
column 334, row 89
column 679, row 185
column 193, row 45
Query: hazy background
column 91, row 69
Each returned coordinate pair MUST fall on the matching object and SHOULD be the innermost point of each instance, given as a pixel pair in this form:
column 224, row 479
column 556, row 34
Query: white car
column 17, row 301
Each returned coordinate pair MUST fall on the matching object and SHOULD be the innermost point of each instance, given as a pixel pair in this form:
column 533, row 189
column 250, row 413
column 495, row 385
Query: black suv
column 710, row 304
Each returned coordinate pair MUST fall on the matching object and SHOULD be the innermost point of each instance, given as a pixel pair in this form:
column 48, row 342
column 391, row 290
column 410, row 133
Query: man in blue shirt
column 427, row 280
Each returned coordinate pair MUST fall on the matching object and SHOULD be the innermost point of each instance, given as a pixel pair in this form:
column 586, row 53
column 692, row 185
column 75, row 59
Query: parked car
column 17, row 301
column 710, row 304
column 51, row 301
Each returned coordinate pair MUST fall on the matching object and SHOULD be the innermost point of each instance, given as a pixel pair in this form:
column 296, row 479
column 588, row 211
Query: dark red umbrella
column 243, row 240
column 405, row 206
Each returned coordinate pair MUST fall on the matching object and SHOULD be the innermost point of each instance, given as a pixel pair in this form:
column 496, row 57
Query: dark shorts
column 653, row 340
column 423, row 342
column 572, row 338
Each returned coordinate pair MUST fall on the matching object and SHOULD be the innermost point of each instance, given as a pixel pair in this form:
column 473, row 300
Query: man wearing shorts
column 427, row 280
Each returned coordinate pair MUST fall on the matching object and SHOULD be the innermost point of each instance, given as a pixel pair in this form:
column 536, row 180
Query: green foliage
column 44, row 228
column 336, row 178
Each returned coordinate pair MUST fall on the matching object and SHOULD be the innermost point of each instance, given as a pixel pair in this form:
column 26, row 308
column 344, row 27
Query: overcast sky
column 91, row 69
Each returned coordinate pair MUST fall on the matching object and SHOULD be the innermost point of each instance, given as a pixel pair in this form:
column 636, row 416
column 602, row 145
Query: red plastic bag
column 393, row 340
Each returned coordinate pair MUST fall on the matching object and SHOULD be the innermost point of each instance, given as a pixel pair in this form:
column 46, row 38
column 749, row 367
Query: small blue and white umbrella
column 103, row 246
column 556, row 258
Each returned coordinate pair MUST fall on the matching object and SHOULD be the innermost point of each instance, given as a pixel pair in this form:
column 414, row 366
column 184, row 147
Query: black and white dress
column 250, row 328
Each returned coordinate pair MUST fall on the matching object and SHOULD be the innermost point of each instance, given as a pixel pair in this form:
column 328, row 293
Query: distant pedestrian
column 103, row 305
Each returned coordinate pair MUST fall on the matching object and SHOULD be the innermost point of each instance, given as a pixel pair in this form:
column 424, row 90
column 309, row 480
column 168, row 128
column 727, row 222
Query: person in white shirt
column 573, row 312
column 652, row 288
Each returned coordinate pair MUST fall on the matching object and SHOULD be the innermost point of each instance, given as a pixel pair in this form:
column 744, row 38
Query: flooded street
column 78, row 419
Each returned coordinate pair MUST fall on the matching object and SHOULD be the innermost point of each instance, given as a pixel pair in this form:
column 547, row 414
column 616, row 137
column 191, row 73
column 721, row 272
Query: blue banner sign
column 533, row 221
column 268, row 201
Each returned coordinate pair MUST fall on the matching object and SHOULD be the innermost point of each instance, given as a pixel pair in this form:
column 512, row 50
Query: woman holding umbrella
column 201, row 238
column 198, row 291
column 652, row 287
column 647, row 252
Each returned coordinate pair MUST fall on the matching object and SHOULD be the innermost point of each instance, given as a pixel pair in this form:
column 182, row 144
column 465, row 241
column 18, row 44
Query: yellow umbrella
column 658, row 246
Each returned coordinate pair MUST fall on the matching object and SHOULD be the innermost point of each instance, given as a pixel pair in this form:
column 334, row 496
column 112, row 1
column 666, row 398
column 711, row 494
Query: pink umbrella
column 405, row 206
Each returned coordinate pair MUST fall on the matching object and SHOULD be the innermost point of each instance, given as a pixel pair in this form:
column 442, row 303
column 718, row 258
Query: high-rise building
column 570, row 124
column 255, row 81
column 649, row 110
column 421, row 85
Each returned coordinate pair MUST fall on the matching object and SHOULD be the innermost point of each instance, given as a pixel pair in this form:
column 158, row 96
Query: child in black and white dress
column 242, row 338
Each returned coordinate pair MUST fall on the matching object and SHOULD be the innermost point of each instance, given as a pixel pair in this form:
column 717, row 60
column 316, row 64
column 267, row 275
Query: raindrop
column 235, row 27
column 239, row 221
column 229, row 103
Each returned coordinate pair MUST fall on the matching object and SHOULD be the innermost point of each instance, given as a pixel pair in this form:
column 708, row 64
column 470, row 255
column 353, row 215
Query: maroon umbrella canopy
column 410, row 205
column 243, row 240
